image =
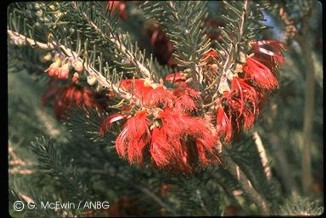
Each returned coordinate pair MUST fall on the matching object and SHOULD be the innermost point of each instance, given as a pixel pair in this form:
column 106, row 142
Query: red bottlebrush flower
column 134, row 137
column 181, row 141
column 238, row 111
column 269, row 53
column 259, row 73
column 223, row 125
column 119, row 6
column 185, row 97
column 149, row 94
column 176, row 77
column 66, row 97
column 246, row 93
column 272, row 48
column 108, row 122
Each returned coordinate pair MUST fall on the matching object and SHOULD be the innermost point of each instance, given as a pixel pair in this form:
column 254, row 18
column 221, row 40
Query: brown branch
column 21, row 40
column 262, row 154
column 245, row 183
column 308, row 114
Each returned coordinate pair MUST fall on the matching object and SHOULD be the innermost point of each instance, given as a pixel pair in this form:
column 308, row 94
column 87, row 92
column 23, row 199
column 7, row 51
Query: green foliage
column 183, row 24
column 301, row 206
column 61, row 168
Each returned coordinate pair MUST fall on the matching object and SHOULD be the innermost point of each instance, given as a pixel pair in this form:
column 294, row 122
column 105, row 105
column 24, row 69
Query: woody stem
column 243, row 180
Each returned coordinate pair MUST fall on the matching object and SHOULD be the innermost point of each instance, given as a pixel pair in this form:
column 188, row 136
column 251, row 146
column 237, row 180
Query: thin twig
column 19, row 39
column 156, row 199
column 262, row 154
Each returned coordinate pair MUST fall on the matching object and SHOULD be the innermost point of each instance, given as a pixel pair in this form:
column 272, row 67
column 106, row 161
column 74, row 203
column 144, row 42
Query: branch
column 248, row 189
column 19, row 39
column 118, row 45
column 156, row 199
column 232, row 52
column 308, row 113
column 262, row 154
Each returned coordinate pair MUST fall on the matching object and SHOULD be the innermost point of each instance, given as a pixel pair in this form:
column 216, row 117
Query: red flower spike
column 274, row 46
column 119, row 6
column 239, row 113
column 170, row 143
column 223, row 125
column 263, row 77
column 134, row 137
column 161, row 149
column 168, row 151
column 185, row 98
column 269, row 52
column 150, row 94
column 66, row 97
column 247, row 93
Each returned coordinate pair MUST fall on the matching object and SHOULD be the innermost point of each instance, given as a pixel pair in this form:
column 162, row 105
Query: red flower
column 150, row 94
column 66, row 97
column 270, row 48
column 119, row 6
column 241, row 106
column 185, row 98
column 134, row 137
column 260, row 74
column 176, row 77
column 247, row 94
column 210, row 53
column 223, row 125
column 106, row 124
column 269, row 53
column 181, row 141
column 54, row 69
column 176, row 141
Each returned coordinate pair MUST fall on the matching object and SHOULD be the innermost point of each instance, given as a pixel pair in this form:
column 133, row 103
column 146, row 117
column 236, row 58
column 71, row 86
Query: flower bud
column 45, row 58
column 64, row 73
column 75, row 78
column 91, row 80
column 78, row 65
column 54, row 68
